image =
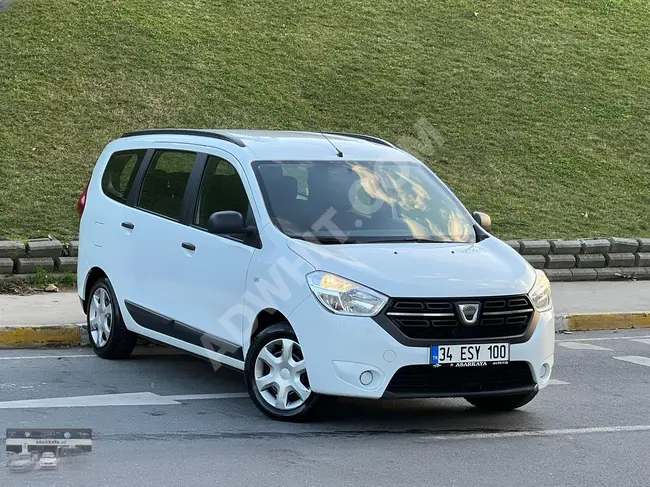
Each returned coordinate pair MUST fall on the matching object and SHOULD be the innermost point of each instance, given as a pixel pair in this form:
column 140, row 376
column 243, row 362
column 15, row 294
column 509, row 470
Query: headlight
column 540, row 294
column 345, row 297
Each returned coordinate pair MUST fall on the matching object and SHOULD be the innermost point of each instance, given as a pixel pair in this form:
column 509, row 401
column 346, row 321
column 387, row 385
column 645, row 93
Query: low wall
column 595, row 259
column 18, row 257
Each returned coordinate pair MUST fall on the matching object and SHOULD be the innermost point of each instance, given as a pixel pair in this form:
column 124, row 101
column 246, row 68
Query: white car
column 48, row 461
column 317, row 263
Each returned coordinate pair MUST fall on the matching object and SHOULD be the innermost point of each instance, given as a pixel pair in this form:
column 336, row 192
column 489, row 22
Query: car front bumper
column 339, row 349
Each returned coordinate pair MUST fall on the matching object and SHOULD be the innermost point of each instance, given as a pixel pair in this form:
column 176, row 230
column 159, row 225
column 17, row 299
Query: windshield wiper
column 328, row 240
column 411, row 239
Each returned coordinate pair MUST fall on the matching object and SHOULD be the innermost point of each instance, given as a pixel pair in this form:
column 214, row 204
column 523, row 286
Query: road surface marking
column 599, row 338
column 129, row 399
column 582, row 346
column 195, row 397
column 46, row 356
column 642, row 340
column 557, row 382
column 553, row 432
column 635, row 359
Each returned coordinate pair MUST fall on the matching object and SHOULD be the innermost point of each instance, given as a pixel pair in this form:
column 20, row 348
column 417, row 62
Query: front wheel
column 276, row 375
column 501, row 403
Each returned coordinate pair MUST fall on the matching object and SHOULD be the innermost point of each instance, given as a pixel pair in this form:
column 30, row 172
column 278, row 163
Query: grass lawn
column 543, row 107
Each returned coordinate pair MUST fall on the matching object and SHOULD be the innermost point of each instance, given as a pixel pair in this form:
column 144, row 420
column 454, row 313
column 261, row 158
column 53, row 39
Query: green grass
column 42, row 279
column 543, row 106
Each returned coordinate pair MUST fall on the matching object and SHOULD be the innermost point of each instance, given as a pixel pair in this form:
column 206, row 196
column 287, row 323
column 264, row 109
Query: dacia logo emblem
column 469, row 312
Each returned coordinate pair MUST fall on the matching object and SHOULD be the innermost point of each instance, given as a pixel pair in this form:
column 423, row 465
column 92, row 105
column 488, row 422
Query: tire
column 300, row 402
column 120, row 342
column 501, row 403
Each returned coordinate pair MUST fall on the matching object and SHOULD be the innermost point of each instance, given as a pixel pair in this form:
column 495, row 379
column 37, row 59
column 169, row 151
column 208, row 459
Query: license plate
column 470, row 355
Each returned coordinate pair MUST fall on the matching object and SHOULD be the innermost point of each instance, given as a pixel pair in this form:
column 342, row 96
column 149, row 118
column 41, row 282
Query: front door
column 213, row 269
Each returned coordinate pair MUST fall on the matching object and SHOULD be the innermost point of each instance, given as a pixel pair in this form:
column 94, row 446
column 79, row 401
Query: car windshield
column 333, row 202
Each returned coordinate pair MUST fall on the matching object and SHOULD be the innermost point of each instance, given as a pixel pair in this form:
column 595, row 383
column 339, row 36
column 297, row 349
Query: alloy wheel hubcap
column 281, row 375
column 101, row 316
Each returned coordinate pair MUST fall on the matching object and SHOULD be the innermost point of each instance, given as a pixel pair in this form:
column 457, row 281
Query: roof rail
column 196, row 132
column 368, row 138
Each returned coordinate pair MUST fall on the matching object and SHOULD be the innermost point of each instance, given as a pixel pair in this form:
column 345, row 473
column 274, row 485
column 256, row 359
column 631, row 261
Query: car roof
column 285, row 145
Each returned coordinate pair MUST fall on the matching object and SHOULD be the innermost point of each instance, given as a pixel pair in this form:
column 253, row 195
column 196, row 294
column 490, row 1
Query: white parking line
column 557, row 382
column 582, row 346
column 30, row 357
column 635, row 359
column 599, row 338
column 195, row 397
column 128, row 399
column 553, row 432
column 642, row 340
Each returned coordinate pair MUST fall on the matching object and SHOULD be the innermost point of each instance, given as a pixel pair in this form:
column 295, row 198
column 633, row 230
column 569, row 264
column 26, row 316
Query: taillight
column 81, row 204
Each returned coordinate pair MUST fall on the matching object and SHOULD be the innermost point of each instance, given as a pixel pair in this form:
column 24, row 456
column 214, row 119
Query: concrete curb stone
column 65, row 264
column 619, row 245
column 44, row 248
column 561, row 261
column 29, row 265
column 584, row 274
column 590, row 260
column 642, row 259
column 595, row 246
column 619, row 259
column 6, row 265
column 73, row 248
column 559, row 247
column 558, row 275
column 535, row 247
column 644, row 244
column 11, row 249
column 609, row 273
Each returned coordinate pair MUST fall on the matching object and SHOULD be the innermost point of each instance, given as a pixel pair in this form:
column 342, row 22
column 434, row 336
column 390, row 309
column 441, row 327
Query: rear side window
column 164, row 183
column 120, row 173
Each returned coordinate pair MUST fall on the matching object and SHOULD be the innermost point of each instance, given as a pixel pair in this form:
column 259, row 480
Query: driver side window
column 221, row 190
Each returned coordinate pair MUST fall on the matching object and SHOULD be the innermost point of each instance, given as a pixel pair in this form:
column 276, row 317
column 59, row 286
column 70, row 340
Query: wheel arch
column 264, row 319
column 94, row 274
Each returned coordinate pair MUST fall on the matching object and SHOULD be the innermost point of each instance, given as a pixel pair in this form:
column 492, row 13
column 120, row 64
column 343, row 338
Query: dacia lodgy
column 320, row 264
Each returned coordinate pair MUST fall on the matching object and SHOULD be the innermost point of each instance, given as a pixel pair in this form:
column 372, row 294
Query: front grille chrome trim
column 431, row 315
column 512, row 312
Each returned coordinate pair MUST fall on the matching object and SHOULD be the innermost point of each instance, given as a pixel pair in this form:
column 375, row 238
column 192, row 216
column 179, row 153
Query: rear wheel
column 106, row 329
column 501, row 403
column 276, row 376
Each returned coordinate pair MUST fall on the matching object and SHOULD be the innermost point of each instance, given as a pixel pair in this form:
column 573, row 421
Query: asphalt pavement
column 164, row 418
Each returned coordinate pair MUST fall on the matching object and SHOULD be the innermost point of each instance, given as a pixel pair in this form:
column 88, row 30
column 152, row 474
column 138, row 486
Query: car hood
column 488, row 268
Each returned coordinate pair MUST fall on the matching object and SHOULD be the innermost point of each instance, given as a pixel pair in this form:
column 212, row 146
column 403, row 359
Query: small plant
column 42, row 278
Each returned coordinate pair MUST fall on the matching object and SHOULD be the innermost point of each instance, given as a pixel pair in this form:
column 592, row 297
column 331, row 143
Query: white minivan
column 320, row 264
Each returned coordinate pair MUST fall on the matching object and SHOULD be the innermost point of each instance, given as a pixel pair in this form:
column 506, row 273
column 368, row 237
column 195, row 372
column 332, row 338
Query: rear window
column 120, row 173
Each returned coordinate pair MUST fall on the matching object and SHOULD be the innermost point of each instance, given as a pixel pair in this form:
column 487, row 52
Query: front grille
column 432, row 319
column 426, row 380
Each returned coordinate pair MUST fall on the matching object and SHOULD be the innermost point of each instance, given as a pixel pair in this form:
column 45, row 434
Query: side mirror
column 227, row 223
column 483, row 219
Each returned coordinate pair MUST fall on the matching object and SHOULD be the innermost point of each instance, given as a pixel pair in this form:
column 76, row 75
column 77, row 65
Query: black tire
column 501, row 403
column 301, row 413
column 121, row 341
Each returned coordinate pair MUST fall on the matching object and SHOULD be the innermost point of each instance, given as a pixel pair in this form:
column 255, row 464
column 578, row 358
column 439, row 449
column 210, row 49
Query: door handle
column 128, row 225
column 188, row 246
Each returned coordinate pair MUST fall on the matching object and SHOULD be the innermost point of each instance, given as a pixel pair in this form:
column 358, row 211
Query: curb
column 602, row 321
column 69, row 335
column 75, row 335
